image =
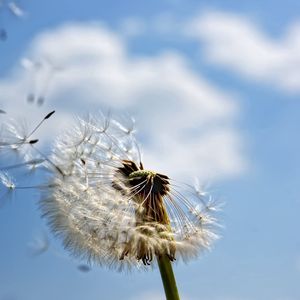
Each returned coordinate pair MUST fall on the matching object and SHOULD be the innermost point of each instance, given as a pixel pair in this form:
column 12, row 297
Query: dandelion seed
column 3, row 34
column 16, row 134
column 40, row 100
column 32, row 164
column 41, row 75
column 7, row 181
column 84, row 268
column 8, row 186
column 39, row 245
column 15, row 9
column 30, row 98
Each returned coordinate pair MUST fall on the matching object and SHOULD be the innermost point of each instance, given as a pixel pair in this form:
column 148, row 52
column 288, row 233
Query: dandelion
column 110, row 210
column 104, row 205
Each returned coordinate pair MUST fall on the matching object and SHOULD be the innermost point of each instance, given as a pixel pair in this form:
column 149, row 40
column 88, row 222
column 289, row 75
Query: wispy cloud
column 187, row 124
column 237, row 43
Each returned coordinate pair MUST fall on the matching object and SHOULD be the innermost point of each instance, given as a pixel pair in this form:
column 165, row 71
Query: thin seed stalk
column 168, row 278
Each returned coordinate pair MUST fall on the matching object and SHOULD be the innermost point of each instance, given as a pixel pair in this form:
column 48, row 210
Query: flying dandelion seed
column 3, row 34
column 39, row 245
column 15, row 135
column 41, row 75
column 9, row 185
column 84, row 268
column 109, row 209
column 14, row 9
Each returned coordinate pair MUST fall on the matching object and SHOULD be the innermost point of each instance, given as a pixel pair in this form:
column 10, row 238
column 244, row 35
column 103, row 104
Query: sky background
column 214, row 88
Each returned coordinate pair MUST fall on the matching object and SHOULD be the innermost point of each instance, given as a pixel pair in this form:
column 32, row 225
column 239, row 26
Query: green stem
column 168, row 278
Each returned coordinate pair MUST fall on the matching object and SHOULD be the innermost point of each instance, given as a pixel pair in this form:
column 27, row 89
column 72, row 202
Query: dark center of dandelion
column 147, row 183
column 147, row 189
column 154, row 183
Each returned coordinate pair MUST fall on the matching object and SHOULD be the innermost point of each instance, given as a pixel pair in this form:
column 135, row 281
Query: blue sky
column 214, row 89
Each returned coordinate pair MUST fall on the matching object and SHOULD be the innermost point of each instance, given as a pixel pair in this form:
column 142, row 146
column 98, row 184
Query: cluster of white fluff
column 97, row 221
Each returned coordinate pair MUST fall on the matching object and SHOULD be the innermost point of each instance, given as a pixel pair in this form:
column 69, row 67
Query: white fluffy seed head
column 106, row 216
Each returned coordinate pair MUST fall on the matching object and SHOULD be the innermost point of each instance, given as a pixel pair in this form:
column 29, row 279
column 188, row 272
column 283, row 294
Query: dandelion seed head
column 109, row 210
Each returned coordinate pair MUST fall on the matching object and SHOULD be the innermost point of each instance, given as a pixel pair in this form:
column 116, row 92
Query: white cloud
column 234, row 42
column 187, row 124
